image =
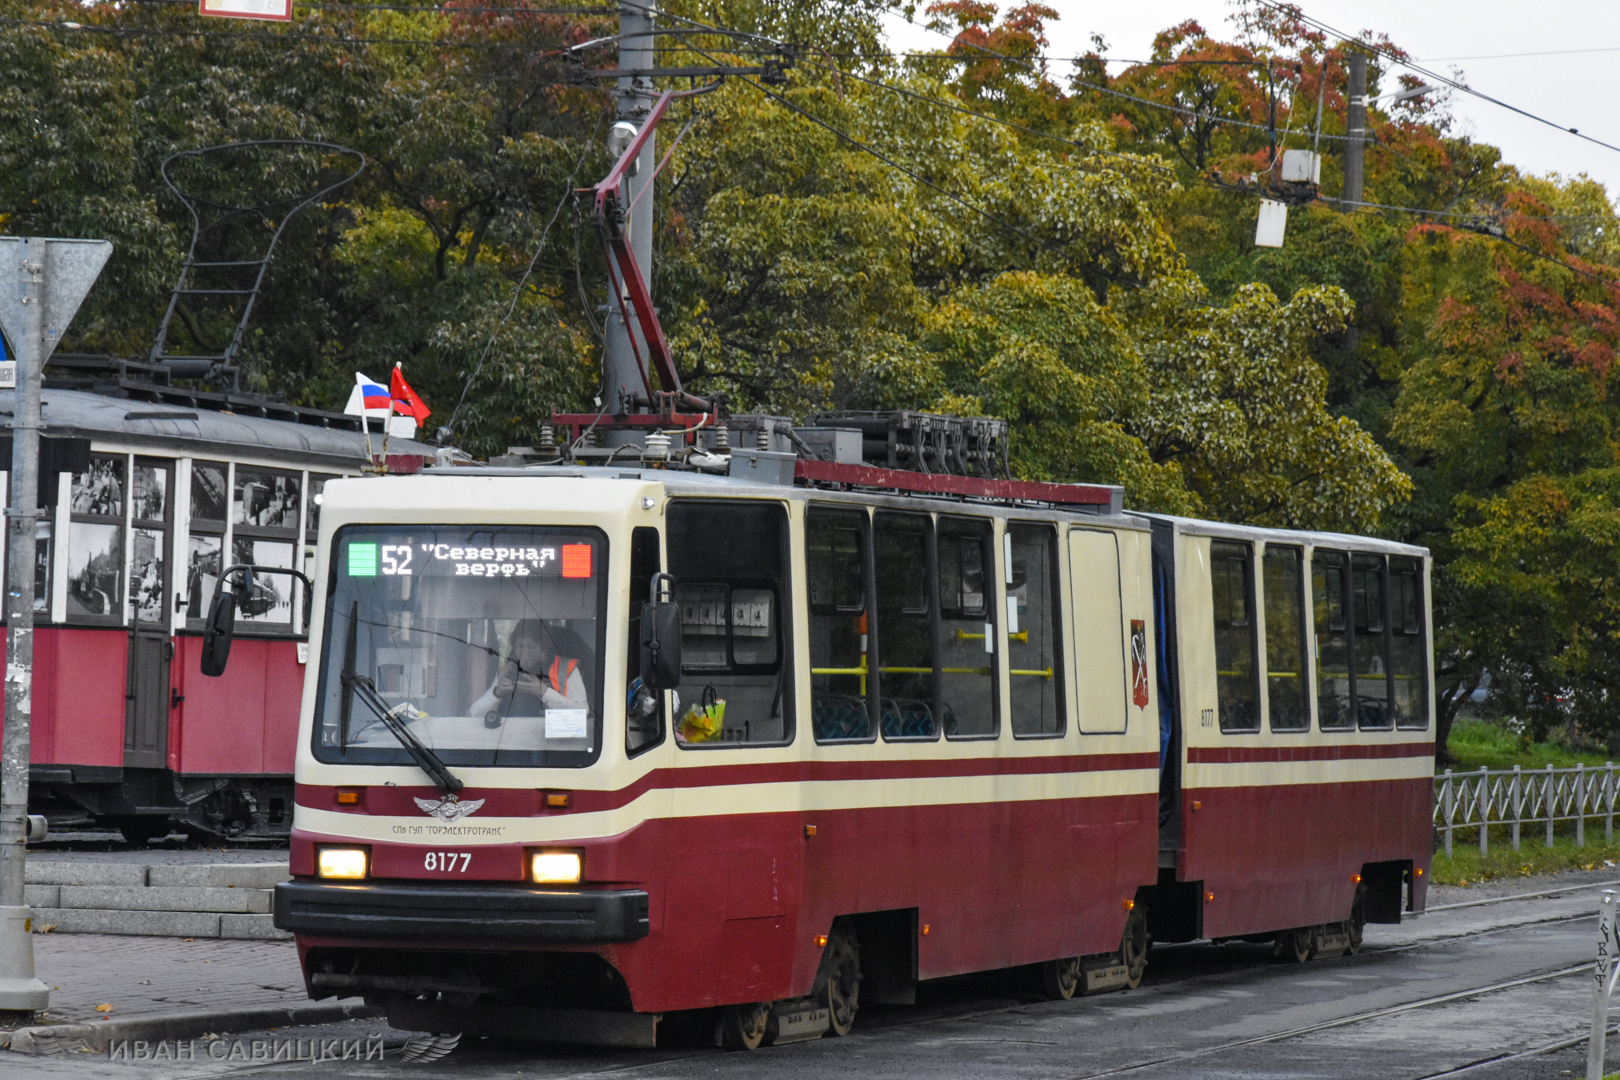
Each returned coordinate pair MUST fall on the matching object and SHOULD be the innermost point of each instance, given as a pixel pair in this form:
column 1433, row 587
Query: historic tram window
column 969, row 704
column 1231, row 566
column 95, row 541
column 644, row 709
column 484, row 639
column 264, row 532
column 1286, row 694
column 1329, row 586
column 1033, row 646
column 836, row 572
column 729, row 559
column 205, row 547
column 149, row 541
column 1369, row 641
column 1407, row 650
column 907, row 664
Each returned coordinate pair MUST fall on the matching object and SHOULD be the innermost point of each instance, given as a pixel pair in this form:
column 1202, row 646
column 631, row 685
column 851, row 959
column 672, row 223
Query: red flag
column 406, row 403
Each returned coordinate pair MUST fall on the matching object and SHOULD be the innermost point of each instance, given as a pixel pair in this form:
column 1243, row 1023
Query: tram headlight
column 555, row 867
column 342, row 863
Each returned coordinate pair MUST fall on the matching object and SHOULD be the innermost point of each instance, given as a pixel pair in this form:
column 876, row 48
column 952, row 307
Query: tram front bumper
column 485, row 912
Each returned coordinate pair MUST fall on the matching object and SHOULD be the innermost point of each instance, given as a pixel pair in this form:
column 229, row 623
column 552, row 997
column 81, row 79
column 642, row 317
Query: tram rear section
column 585, row 748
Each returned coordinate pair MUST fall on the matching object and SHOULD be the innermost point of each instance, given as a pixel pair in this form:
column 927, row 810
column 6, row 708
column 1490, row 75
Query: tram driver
column 537, row 675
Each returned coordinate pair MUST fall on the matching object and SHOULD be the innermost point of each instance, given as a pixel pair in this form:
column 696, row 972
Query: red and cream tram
column 149, row 491
column 584, row 746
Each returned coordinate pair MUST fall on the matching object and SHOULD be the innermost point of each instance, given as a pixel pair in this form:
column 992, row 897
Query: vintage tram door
column 146, row 687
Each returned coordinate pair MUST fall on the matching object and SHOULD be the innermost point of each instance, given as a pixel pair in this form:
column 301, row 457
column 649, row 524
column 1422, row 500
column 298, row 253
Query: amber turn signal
column 1130, row 905
column 809, row 830
column 821, row 941
column 1420, row 871
column 926, row 928
column 1209, row 897
column 348, row 798
column 558, row 800
column 1355, row 879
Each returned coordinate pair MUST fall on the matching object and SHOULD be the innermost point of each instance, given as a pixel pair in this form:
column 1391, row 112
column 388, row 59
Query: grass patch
column 1466, row 867
column 1482, row 742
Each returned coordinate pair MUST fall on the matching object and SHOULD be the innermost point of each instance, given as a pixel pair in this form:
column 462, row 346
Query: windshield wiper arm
column 358, row 686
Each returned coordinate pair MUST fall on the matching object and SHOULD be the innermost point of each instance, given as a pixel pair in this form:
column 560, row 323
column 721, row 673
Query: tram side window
column 264, row 532
column 1232, row 578
column 150, row 512
column 95, row 547
column 1407, row 652
column 968, row 701
column 729, row 559
column 1285, row 639
column 644, row 710
column 1329, row 586
column 205, row 545
column 907, row 690
column 1368, row 633
column 1033, row 646
column 836, row 544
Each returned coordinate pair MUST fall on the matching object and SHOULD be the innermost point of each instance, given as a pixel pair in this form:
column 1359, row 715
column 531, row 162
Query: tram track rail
column 1344, row 1021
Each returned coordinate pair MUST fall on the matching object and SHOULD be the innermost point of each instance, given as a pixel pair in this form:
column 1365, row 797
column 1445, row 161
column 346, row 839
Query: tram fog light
column 344, row 864
column 555, row 867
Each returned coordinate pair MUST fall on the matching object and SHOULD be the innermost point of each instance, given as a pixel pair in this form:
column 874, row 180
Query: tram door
column 146, row 686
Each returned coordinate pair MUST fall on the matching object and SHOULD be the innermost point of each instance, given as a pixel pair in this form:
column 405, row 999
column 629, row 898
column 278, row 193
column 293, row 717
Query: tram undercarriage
column 145, row 804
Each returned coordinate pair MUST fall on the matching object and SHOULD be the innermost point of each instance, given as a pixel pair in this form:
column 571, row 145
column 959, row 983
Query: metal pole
column 621, row 375
column 1608, row 802
column 1449, row 796
column 1580, row 804
column 19, row 989
column 1518, row 805
column 1483, row 798
column 1603, row 972
column 1551, row 807
column 1355, row 130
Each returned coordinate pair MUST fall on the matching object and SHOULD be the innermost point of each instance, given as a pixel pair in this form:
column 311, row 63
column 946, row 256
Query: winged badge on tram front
column 449, row 809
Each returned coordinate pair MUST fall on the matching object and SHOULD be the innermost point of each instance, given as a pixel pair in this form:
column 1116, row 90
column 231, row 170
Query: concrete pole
column 1355, row 130
column 19, row 989
column 620, row 373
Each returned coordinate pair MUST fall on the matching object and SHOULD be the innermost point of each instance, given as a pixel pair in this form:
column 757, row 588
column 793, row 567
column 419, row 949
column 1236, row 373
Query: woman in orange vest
column 536, row 676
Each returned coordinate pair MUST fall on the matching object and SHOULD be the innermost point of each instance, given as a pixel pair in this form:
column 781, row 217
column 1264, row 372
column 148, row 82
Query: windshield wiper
column 356, row 685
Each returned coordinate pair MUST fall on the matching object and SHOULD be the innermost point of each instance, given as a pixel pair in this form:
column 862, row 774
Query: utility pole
column 1356, row 130
column 51, row 277
column 621, row 374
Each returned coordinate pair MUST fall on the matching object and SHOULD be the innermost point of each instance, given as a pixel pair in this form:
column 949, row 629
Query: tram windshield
column 485, row 641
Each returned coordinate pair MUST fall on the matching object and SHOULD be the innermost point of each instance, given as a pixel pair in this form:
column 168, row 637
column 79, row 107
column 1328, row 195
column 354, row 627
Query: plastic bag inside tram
column 484, row 641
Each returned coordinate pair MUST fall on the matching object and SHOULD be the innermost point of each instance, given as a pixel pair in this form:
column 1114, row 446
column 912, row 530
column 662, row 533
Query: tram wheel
column 838, row 981
column 1295, row 945
column 742, row 1027
column 1061, row 978
column 1133, row 947
column 1356, row 926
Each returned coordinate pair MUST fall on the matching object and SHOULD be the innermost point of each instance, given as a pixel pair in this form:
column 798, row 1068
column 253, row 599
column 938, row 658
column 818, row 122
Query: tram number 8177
column 447, row 861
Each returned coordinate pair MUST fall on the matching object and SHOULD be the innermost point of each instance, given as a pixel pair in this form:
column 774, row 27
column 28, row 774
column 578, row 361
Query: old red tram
column 150, row 489
column 771, row 735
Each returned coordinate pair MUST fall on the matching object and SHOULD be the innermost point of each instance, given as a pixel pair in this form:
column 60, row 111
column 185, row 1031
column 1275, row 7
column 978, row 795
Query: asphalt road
column 1468, row 992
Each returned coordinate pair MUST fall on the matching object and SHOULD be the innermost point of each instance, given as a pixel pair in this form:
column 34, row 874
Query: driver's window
column 729, row 560
column 644, row 709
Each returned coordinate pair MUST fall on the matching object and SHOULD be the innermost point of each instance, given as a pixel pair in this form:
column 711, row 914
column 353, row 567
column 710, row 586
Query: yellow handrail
column 1022, row 637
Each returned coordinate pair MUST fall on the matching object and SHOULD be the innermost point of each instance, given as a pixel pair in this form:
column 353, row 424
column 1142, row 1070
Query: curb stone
column 67, row 1038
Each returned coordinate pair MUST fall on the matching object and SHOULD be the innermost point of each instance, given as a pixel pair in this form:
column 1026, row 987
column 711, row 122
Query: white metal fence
column 1509, row 799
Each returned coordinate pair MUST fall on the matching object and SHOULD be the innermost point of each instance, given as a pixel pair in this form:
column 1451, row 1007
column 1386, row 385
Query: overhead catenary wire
column 1395, row 57
column 517, row 293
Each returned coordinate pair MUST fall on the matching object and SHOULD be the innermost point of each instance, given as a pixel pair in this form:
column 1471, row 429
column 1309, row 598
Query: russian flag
column 368, row 397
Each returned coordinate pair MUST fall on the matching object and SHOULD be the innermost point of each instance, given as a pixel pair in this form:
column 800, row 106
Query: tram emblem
column 1139, row 664
column 449, row 809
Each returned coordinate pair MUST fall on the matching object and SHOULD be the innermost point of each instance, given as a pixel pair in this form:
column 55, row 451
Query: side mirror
column 217, row 631
column 661, row 638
